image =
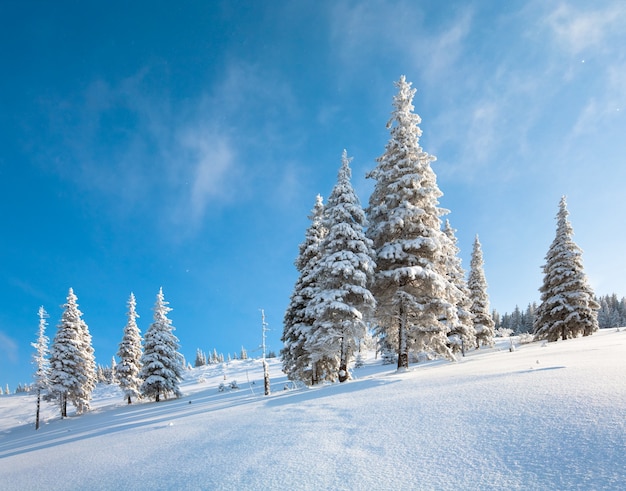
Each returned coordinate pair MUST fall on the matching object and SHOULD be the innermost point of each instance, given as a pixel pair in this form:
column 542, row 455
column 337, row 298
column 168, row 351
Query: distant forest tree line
column 214, row 357
column 612, row 313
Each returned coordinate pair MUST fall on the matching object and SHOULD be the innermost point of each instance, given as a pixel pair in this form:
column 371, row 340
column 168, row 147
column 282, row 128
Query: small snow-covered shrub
column 233, row 384
column 526, row 338
column 503, row 332
column 389, row 357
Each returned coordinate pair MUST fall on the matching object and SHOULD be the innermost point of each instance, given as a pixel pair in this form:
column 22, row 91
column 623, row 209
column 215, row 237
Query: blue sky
column 146, row 145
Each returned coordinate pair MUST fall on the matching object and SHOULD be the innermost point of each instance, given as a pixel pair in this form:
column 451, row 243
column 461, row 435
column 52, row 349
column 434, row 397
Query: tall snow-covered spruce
column 483, row 321
column 416, row 300
column 161, row 363
column 72, row 360
column 343, row 272
column 297, row 322
column 40, row 360
column 129, row 353
column 568, row 308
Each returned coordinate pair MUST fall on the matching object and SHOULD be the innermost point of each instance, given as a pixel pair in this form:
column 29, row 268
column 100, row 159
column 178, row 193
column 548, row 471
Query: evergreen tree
column 129, row 353
column 568, row 308
column 343, row 272
column 528, row 318
column 200, row 358
column 461, row 335
column 72, row 361
column 40, row 360
column 477, row 284
column 622, row 311
column 517, row 320
column 604, row 313
column 161, row 363
column 297, row 322
column 497, row 319
column 416, row 301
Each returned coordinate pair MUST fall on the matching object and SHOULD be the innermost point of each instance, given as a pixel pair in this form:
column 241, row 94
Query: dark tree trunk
column 129, row 400
column 64, row 405
column 38, row 406
column 403, row 355
column 266, row 378
column 343, row 372
column 343, row 363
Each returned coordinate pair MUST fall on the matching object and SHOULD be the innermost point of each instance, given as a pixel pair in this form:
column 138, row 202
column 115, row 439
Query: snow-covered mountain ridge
column 542, row 417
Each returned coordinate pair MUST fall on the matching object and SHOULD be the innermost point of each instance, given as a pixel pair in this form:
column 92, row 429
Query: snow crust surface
column 543, row 417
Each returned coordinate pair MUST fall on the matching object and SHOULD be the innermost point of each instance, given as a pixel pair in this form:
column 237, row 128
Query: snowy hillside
column 541, row 417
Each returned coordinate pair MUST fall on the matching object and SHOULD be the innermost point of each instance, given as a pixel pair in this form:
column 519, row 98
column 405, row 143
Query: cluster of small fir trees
column 516, row 322
column 67, row 372
column 203, row 359
column 393, row 266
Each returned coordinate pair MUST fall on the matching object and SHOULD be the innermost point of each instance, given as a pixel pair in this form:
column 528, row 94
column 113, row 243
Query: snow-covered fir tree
column 461, row 335
column 344, row 271
column 216, row 358
column 40, row 357
column 72, row 360
column 161, row 363
column 200, row 360
column 484, row 324
column 129, row 354
column 40, row 360
column 297, row 322
column 568, row 308
column 416, row 301
column 113, row 370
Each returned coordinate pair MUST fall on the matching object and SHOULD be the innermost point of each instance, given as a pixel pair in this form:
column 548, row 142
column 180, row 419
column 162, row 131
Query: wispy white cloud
column 145, row 151
column 8, row 347
column 604, row 110
column 400, row 30
column 589, row 28
column 210, row 157
column 436, row 54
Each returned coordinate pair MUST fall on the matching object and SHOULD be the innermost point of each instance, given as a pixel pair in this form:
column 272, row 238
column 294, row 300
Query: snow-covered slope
column 541, row 417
